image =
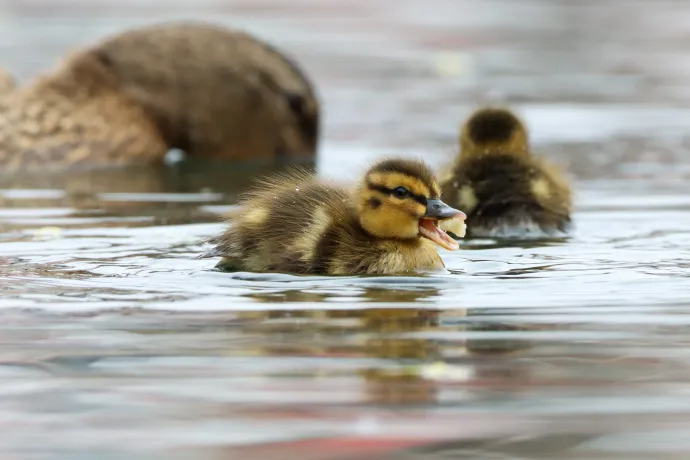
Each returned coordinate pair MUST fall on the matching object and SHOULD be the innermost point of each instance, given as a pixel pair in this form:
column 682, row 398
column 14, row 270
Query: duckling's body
column 504, row 189
column 203, row 89
column 296, row 223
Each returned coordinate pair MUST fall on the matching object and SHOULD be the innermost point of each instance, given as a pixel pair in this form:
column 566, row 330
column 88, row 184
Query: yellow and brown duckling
column 129, row 99
column 505, row 190
column 387, row 224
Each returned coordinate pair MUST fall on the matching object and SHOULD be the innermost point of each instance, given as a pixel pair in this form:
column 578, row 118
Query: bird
column 7, row 82
column 130, row 98
column 505, row 190
column 387, row 223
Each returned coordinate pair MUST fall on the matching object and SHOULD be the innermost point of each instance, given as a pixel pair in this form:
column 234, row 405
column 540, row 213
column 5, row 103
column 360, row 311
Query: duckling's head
column 400, row 199
column 490, row 130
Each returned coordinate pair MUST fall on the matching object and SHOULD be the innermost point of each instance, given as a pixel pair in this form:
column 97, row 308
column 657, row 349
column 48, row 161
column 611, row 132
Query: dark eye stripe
column 380, row 188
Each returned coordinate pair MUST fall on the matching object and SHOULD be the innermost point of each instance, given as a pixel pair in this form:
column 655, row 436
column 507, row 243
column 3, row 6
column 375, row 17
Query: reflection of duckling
column 208, row 91
column 295, row 223
column 504, row 189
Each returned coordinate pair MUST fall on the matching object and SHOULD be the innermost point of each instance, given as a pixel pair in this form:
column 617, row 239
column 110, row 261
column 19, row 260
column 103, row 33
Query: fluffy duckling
column 387, row 224
column 504, row 189
column 129, row 99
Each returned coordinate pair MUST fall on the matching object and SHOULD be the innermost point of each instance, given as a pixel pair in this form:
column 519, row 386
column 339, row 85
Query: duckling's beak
column 437, row 210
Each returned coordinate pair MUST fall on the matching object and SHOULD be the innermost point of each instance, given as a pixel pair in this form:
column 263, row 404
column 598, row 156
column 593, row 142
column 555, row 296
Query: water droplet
column 174, row 156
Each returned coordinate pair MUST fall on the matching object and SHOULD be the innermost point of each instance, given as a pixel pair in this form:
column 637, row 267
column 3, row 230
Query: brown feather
column 7, row 83
column 500, row 184
column 128, row 99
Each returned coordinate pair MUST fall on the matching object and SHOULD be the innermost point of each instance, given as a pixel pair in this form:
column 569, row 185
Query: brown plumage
column 7, row 82
column 505, row 190
column 128, row 99
column 299, row 224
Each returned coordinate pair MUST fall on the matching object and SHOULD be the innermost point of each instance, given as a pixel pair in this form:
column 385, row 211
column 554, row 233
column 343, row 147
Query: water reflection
column 368, row 294
column 400, row 385
column 407, row 370
column 186, row 193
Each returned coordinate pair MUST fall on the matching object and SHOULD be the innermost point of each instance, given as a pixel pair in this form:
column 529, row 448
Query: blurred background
column 117, row 342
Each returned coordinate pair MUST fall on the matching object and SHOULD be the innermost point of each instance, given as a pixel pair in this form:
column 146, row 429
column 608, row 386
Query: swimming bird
column 201, row 88
column 386, row 224
column 505, row 189
column 7, row 82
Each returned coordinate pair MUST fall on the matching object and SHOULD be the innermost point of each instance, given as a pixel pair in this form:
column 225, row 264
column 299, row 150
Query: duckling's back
column 503, row 189
column 509, row 195
column 282, row 225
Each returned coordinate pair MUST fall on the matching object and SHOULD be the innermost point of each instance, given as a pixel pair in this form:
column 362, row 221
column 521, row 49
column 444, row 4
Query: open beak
column 451, row 218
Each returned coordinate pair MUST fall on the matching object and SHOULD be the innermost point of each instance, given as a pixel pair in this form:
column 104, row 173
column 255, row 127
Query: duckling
column 505, row 190
column 386, row 224
column 132, row 97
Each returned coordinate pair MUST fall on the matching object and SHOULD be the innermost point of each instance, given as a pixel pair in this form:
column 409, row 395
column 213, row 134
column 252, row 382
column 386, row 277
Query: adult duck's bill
column 437, row 210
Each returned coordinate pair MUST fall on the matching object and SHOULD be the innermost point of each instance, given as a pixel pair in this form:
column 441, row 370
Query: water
column 117, row 342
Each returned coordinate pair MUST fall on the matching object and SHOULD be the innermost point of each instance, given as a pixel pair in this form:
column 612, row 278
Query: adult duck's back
column 7, row 82
column 129, row 99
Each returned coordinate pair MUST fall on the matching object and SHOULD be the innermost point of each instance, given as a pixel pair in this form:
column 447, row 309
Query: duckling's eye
column 401, row 192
